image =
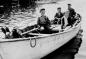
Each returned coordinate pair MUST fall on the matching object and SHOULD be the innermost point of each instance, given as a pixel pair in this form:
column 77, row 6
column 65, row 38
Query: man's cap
column 69, row 4
column 42, row 9
column 59, row 8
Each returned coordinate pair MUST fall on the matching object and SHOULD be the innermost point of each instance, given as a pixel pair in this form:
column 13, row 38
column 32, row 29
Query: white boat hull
column 21, row 49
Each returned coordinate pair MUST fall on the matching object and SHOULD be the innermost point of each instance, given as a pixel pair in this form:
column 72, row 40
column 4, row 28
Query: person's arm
column 38, row 23
column 56, row 16
column 73, row 11
column 62, row 16
column 48, row 21
column 80, row 18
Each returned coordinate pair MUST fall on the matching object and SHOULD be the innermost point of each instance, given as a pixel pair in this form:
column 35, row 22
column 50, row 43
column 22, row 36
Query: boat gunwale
column 39, row 37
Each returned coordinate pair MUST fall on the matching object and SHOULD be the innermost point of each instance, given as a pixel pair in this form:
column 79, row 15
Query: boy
column 44, row 22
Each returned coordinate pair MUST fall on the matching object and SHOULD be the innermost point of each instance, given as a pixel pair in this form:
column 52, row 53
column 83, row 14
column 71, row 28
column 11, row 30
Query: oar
column 29, row 31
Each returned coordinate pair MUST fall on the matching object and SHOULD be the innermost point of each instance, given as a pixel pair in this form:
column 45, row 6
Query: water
column 80, row 7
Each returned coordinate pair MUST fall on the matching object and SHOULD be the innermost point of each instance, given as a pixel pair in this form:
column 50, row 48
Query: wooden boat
column 36, row 47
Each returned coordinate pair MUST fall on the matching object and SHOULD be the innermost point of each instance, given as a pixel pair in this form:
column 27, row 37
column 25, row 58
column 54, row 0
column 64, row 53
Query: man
column 58, row 16
column 72, row 13
column 43, row 21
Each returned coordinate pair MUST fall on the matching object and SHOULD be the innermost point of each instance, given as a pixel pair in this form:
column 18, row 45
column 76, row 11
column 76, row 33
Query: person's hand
column 41, row 28
column 7, row 33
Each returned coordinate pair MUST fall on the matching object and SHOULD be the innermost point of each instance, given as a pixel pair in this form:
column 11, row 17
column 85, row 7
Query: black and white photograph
column 42, row 29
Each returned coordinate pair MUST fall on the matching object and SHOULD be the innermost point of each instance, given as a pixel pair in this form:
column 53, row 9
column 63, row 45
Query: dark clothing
column 60, row 21
column 71, row 12
column 70, row 21
column 4, row 30
column 15, row 34
column 43, row 21
column 63, row 23
column 71, row 16
column 58, row 15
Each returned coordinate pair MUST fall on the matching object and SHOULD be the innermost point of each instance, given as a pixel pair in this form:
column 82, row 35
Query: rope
column 32, row 44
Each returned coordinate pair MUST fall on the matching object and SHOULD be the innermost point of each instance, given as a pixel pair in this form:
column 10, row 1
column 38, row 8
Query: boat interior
column 33, row 31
